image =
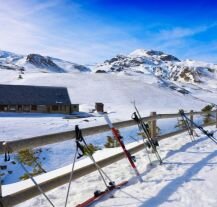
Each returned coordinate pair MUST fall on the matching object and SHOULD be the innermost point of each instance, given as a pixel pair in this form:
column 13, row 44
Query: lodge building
column 41, row 99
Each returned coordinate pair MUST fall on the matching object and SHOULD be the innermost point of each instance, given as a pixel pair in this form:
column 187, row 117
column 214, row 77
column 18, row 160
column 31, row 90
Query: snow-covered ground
column 187, row 178
column 116, row 91
column 185, row 171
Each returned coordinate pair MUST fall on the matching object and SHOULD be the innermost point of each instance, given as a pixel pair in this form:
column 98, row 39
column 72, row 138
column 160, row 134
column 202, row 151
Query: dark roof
column 35, row 95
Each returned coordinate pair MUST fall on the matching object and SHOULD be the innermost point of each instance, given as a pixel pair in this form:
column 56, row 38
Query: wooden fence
column 51, row 182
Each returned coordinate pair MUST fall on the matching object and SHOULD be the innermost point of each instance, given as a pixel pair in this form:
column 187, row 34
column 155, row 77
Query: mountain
column 182, row 76
column 37, row 62
column 161, row 65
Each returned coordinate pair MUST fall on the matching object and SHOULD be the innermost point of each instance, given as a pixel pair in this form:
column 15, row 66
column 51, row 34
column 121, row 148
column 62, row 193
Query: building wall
column 66, row 109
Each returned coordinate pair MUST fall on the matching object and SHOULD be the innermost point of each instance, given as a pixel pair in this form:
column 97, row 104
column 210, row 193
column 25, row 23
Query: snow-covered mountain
column 39, row 63
column 163, row 66
column 186, row 77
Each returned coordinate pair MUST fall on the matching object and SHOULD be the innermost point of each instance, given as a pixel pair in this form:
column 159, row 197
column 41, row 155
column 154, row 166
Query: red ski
column 99, row 194
column 119, row 139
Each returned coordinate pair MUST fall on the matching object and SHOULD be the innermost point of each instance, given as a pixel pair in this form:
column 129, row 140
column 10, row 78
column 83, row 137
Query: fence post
column 192, row 119
column 153, row 125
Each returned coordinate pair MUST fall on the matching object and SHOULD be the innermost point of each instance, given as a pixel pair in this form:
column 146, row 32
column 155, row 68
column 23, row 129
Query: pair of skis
column 119, row 138
column 187, row 125
column 145, row 132
column 207, row 133
column 82, row 149
column 99, row 194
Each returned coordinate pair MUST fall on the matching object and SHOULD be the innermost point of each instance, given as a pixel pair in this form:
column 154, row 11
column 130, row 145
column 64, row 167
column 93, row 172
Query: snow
column 117, row 94
column 187, row 178
column 99, row 155
column 70, row 67
column 139, row 53
column 13, row 60
column 8, row 56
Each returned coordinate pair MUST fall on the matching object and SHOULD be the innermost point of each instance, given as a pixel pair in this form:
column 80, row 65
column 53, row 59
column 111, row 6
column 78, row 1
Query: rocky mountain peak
column 158, row 55
column 162, row 65
column 37, row 62
column 40, row 61
column 154, row 52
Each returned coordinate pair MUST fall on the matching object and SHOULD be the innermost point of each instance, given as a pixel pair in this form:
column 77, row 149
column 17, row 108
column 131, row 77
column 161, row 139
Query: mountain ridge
column 37, row 62
column 160, row 64
column 167, row 68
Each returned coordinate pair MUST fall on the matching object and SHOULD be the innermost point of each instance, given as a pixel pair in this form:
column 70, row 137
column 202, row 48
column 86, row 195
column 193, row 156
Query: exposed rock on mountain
column 159, row 64
column 169, row 58
column 37, row 62
column 40, row 61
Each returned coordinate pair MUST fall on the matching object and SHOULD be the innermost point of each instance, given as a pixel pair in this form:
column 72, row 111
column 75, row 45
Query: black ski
column 207, row 133
column 144, row 129
column 188, row 126
column 82, row 149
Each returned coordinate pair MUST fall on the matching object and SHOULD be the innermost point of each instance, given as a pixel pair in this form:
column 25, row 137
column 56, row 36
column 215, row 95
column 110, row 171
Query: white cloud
column 33, row 28
column 182, row 32
column 46, row 28
column 18, row 31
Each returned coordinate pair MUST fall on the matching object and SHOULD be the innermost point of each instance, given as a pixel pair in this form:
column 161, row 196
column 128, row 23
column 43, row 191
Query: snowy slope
column 37, row 63
column 183, row 76
column 144, row 76
column 9, row 56
column 116, row 91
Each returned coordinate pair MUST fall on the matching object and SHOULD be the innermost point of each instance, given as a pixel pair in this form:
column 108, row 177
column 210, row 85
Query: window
column 62, row 108
column 42, row 108
column 26, row 108
column 34, row 108
column 3, row 107
column 54, row 108
column 19, row 107
column 12, row 108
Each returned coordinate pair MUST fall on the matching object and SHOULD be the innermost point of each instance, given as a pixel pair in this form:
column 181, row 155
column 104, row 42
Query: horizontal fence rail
column 17, row 145
column 50, row 183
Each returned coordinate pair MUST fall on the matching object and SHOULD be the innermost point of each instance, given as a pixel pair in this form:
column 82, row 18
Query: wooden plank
column 32, row 142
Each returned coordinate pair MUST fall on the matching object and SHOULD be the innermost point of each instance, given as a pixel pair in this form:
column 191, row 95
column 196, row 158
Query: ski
column 187, row 125
column 207, row 133
column 82, row 149
column 99, row 194
column 118, row 137
column 144, row 129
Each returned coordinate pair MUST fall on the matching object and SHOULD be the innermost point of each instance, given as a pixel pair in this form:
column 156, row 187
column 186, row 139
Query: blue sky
column 91, row 31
